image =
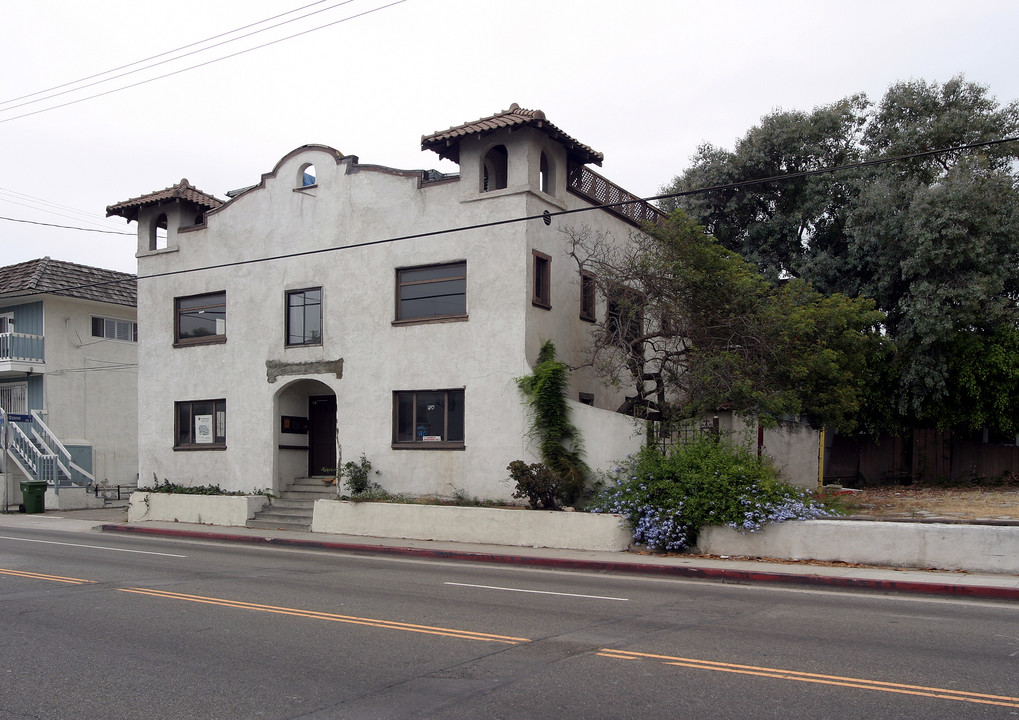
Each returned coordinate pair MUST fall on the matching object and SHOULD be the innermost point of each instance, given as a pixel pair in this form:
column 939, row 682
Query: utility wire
column 159, row 55
column 208, row 62
column 543, row 216
column 168, row 60
column 67, row 227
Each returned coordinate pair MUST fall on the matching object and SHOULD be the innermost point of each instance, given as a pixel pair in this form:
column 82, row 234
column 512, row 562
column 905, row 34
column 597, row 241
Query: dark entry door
column 322, row 435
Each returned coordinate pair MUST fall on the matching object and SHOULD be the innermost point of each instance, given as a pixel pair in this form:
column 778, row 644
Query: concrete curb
column 720, row 574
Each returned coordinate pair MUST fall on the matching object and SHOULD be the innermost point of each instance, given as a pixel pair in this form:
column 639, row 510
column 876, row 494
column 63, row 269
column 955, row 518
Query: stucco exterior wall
column 90, row 386
column 350, row 205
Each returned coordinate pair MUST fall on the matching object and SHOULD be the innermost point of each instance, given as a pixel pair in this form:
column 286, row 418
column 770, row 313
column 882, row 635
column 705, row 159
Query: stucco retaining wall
column 203, row 509
column 72, row 498
column 525, row 528
column 975, row 548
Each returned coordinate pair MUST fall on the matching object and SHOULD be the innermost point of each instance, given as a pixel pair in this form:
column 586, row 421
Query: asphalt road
column 102, row 626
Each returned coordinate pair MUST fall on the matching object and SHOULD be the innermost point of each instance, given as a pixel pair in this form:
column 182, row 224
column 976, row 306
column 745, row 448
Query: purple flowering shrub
column 667, row 498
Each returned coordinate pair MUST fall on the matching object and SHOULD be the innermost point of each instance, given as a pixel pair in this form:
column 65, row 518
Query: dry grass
column 919, row 503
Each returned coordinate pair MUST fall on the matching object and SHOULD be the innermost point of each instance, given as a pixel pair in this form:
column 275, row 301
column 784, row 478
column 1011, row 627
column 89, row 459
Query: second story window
column 432, row 292
column 113, row 329
column 304, row 317
column 542, row 280
column 200, row 319
column 587, row 296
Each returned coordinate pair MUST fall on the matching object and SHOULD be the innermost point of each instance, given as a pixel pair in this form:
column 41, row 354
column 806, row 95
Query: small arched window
column 306, row 176
column 157, row 233
column 546, row 179
column 495, row 170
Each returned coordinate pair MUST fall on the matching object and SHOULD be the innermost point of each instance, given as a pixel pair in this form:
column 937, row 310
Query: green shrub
column 177, row 489
column 542, row 487
column 668, row 498
column 358, row 477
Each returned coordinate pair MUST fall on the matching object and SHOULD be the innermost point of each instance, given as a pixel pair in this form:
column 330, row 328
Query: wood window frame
column 417, row 441
column 457, row 271
column 184, row 438
column 588, row 296
column 541, row 280
column 215, row 300
column 288, row 340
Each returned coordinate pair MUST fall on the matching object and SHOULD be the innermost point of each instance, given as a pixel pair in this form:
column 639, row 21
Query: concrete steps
column 294, row 507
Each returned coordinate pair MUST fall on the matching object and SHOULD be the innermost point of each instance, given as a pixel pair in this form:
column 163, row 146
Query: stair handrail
column 25, row 453
column 51, row 442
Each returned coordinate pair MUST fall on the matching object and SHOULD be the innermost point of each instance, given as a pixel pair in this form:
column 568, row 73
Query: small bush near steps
column 667, row 498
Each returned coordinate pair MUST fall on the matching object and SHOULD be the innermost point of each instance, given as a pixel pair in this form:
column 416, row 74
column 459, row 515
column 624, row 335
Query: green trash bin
column 34, row 493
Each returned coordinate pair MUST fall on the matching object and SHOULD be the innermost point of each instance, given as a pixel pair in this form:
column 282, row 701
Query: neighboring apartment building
column 68, row 369
column 336, row 309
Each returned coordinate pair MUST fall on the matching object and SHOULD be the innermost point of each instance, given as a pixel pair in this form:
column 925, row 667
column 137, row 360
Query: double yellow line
column 692, row 663
column 40, row 576
column 295, row 612
column 795, row 675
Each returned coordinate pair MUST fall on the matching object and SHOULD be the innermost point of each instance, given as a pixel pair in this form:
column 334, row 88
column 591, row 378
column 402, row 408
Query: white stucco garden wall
column 232, row 510
column 522, row 528
column 975, row 548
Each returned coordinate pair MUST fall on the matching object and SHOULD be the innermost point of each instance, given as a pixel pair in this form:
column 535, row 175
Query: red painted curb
column 713, row 573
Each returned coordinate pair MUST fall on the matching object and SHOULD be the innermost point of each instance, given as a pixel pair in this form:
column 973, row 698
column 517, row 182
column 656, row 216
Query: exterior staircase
column 294, row 507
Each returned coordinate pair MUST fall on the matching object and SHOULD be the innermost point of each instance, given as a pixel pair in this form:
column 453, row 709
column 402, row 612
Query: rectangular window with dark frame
column 432, row 292
column 200, row 319
column 428, row 419
column 587, row 296
column 304, row 317
column 542, row 280
column 113, row 329
column 200, row 425
column 625, row 318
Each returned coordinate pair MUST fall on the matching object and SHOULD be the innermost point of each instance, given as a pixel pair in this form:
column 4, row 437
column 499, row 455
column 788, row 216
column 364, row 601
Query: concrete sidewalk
column 882, row 579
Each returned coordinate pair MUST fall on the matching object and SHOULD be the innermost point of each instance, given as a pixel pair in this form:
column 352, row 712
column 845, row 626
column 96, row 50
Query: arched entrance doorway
column 306, row 430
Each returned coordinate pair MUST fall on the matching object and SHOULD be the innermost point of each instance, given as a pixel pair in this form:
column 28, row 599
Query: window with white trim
column 114, row 329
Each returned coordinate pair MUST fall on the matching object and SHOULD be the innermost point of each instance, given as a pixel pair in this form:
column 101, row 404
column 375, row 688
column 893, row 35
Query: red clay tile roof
column 447, row 142
column 56, row 277
column 182, row 190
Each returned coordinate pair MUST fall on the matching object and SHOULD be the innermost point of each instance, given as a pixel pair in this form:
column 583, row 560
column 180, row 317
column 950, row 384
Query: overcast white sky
column 645, row 82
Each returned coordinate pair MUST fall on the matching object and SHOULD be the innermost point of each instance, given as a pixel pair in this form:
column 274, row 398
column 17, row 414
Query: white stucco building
column 338, row 308
column 68, row 372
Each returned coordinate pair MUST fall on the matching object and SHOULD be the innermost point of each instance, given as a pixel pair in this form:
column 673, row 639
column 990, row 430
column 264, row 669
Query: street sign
column 18, row 417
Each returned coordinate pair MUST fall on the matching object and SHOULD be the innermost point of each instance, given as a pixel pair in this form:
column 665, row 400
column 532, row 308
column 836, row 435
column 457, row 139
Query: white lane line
column 93, row 547
column 538, row 592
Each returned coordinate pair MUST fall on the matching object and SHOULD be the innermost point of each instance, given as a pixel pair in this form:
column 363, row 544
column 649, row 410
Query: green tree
column 695, row 328
column 933, row 239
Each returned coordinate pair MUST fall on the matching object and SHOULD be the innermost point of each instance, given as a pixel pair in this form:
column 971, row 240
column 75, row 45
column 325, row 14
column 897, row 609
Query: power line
column 159, row 55
column 543, row 216
column 168, row 60
column 66, row 227
column 208, row 62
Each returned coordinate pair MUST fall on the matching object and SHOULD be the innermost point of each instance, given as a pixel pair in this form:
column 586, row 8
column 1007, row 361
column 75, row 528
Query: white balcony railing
column 20, row 347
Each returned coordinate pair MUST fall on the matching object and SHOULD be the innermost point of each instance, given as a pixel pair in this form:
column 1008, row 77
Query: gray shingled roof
column 182, row 190
column 57, row 277
column 447, row 142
